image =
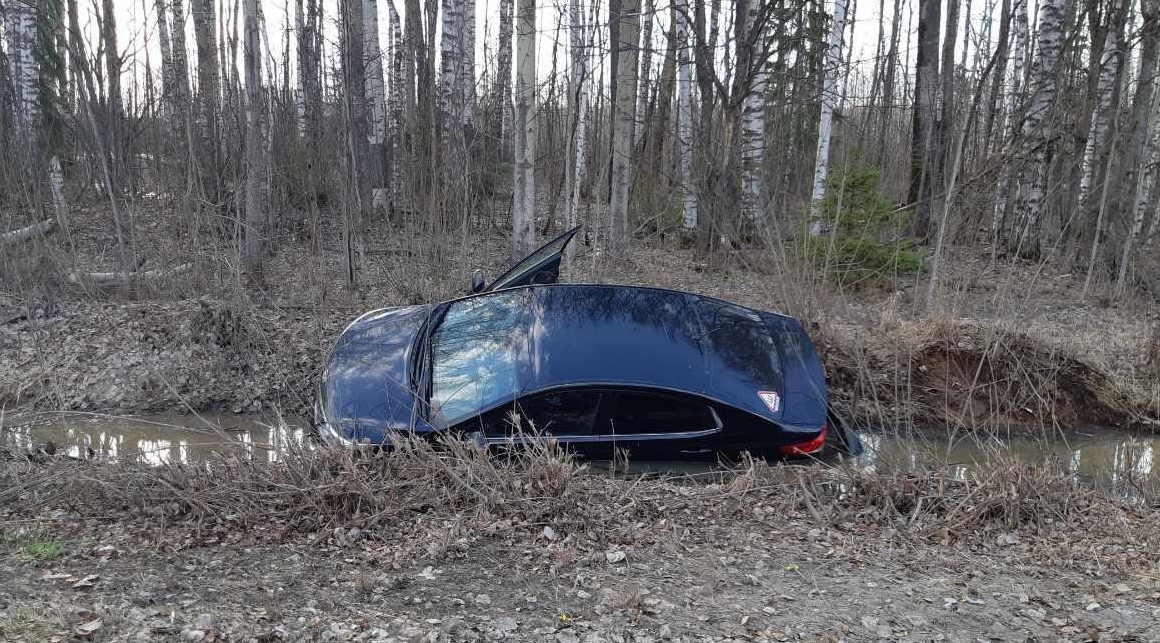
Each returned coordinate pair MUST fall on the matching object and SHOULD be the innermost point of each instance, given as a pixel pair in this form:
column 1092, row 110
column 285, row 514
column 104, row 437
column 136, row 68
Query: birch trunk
column 376, row 104
column 23, row 70
column 395, row 106
column 1001, row 55
column 623, row 126
column 503, row 80
column 451, row 71
column 467, row 68
column 180, row 70
column 829, row 100
column 1105, row 90
column 685, row 116
column 523, row 212
column 1011, row 123
column 648, row 17
column 254, row 217
column 577, row 93
column 1043, row 81
column 751, row 61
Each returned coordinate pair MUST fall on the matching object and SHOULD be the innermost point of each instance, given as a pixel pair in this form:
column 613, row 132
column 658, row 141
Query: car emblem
column 772, row 400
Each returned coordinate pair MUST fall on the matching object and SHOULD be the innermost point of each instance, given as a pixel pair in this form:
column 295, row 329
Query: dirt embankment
column 213, row 355
column 432, row 545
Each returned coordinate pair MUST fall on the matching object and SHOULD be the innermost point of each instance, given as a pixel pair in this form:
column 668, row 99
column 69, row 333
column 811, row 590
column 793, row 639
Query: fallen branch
column 28, row 232
column 104, row 278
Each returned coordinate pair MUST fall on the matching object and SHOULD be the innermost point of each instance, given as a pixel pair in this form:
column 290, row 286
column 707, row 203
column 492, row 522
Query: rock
column 506, row 624
column 203, row 622
column 483, row 599
column 193, row 635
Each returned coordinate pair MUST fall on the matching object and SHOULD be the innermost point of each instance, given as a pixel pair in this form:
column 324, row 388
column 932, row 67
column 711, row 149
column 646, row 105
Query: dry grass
column 425, row 494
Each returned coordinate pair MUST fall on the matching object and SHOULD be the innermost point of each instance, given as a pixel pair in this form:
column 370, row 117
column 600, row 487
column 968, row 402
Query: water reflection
column 1106, row 457
column 156, row 439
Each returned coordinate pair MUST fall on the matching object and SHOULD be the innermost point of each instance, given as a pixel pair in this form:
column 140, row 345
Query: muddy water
column 1105, row 456
column 156, row 439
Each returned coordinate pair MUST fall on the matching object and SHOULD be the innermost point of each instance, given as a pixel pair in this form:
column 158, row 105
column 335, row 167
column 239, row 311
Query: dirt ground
column 755, row 577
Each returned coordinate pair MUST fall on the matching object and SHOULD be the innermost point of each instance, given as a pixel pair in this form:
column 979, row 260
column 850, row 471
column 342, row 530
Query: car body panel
column 542, row 266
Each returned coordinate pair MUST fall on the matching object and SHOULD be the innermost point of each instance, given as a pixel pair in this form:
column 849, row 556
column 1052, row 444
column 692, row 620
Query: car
column 660, row 374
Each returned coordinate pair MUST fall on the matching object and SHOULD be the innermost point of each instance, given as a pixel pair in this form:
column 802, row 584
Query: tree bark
column 1043, row 81
column 523, row 212
column 23, row 70
column 376, row 104
column 685, row 117
column 578, row 99
column 623, row 126
column 208, row 96
column 825, row 121
column 254, row 216
column 924, row 123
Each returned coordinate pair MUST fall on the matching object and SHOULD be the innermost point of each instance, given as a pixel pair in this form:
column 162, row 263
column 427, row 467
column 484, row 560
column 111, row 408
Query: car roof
column 614, row 335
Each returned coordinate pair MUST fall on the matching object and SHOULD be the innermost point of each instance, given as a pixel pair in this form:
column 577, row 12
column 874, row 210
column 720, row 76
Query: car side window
column 559, row 413
column 652, row 413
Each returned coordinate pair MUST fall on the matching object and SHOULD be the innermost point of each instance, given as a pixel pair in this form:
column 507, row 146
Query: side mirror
column 478, row 283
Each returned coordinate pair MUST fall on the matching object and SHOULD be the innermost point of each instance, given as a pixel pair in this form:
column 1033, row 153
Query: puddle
column 156, row 439
column 1105, row 457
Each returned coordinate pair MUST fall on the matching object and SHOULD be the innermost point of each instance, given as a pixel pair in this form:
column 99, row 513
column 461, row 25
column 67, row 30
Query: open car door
column 540, row 267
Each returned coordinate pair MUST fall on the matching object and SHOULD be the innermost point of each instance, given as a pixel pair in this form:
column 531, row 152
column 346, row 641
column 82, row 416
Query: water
column 1104, row 456
column 156, row 439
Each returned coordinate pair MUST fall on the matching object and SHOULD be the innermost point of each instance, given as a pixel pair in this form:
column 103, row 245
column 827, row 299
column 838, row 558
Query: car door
column 540, row 267
column 567, row 415
column 652, row 425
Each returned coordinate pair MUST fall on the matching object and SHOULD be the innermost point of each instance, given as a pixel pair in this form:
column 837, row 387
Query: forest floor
column 100, row 552
column 1008, row 343
column 319, row 549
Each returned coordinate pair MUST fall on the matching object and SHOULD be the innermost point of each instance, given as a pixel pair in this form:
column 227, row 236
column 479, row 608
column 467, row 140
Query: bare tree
column 524, row 188
column 376, row 105
column 208, row 97
column 623, row 126
column 924, row 124
column 829, row 99
column 752, row 78
column 685, row 117
column 254, row 217
column 578, row 84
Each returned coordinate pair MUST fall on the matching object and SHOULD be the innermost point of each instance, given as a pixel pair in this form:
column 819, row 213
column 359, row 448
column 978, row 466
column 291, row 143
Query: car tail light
column 809, row 446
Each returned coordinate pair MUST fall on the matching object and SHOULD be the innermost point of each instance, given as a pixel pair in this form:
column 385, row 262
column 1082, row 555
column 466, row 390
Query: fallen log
column 27, row 232
column 108, row 278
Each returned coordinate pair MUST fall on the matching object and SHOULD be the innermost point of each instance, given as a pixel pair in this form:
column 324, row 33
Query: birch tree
column 1110, row 59
column 254, row 217
column 167, row 91
column 751, row 66
column 577, row 92
column 1011, row 123
column 23, row 69
column 685, row 117
column 524, row 189
column 825, row 121
column 451, row 69
column 502, row 92
column 623, row 126
column 1043, row 82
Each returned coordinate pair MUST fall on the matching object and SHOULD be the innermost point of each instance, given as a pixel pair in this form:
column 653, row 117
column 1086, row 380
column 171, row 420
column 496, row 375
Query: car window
column 652, row 413
column 559, row 413
column 475, row 355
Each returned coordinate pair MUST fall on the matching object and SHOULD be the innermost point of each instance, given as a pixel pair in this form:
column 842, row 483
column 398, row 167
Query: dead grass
column 438, row 495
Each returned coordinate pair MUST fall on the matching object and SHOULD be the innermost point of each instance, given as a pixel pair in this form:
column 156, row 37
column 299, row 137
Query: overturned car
column 661, row 374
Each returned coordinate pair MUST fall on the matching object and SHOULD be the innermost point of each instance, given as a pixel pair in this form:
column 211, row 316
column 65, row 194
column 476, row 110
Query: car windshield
column 476, row 351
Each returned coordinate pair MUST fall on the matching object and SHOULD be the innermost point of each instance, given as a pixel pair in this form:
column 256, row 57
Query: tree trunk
column 751, row 84
column 1101, row 113
column 623, row 126
column 1043, row 81
column 467, row 69
column 648, row 17
column 23, row 71
column 685, row 117
column 523, row 212
column 1147, row 139
column 829, row 100
column 395, row 106
column 578, row 98
column 376, row 104
column 503, row 79
column 924, row 122
column 1001, row 55
column 254, row 217
column 1012, row 125
column 451, row 66
column 167, row 73
column 208, row 96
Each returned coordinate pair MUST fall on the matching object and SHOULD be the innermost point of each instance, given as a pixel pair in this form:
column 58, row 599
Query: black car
column 659, row 373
